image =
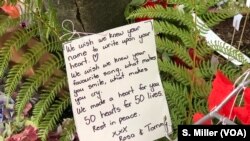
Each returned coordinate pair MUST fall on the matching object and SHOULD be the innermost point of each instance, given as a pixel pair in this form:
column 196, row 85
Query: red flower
column 151, row 3
column 11, row 10
column 198, row 116
column 222, row 87
column 28, row 134
column 243, row 113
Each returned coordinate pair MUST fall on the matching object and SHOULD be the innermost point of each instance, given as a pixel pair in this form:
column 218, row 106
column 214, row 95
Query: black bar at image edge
column 214, row 132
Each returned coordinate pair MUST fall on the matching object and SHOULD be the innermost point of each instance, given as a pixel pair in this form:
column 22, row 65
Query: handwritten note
column 115, row 87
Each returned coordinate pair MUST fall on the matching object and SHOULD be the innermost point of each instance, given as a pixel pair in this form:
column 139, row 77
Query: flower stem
column 243, row 30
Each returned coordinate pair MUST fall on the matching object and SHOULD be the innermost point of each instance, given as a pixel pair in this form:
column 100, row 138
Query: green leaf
column 51, row 118
column 127, row 11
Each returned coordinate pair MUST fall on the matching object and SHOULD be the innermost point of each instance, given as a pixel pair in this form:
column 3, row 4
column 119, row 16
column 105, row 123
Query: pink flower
column 28, row 134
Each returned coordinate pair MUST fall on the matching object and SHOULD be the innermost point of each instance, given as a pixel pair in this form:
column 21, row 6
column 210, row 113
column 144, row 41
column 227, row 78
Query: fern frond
column 231, row 71
column 68, row 131
column 16, row 72
column 51, row 118
column 177, row 100
column 51, row 18
column 178, row 72
column 202, row 6
column 170, row 29
column 159, row 12
column 202, row 49
column 200, row 105
column 231, row 52
column 176, row 88
column 19, row 39
column 47, row 97
column 8, row 23
column 206, row 69
column 43, row 23
column 174, row 48
column 202, row 90
column 199, row 6
column 213, row 18
column 33, row 83
column 5, row 55
column 53, row 44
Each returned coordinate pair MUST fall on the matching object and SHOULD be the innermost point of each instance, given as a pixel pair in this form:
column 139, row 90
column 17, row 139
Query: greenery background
column 32, row 67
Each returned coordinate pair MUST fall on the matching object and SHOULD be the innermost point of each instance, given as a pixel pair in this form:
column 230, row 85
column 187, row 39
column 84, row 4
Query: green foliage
column 20, row 38
column 177, row 100
column 47, row 97
column 32, row 84
column 187, row 83
column 158, row 12
column 6, row 23
column 206, row 70
column 231, row 53
column 212, row 19
column 167, row 28
column 68, row 130
column 174, row 48
column 179, row 73
column 16, row 72
column 40, row 46
column 184, row 57
column 50, row 120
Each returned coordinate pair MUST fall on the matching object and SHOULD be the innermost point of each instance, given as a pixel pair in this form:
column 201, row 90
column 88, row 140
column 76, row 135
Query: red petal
column 193, row 56
column 247, row 96
column 222, row 87
column 178, row 62
column 221, row 79
column 242, row 114
column 164, row 4
column 141, row 19
column 198, row 116
column 11, row 10
column 149, row 4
